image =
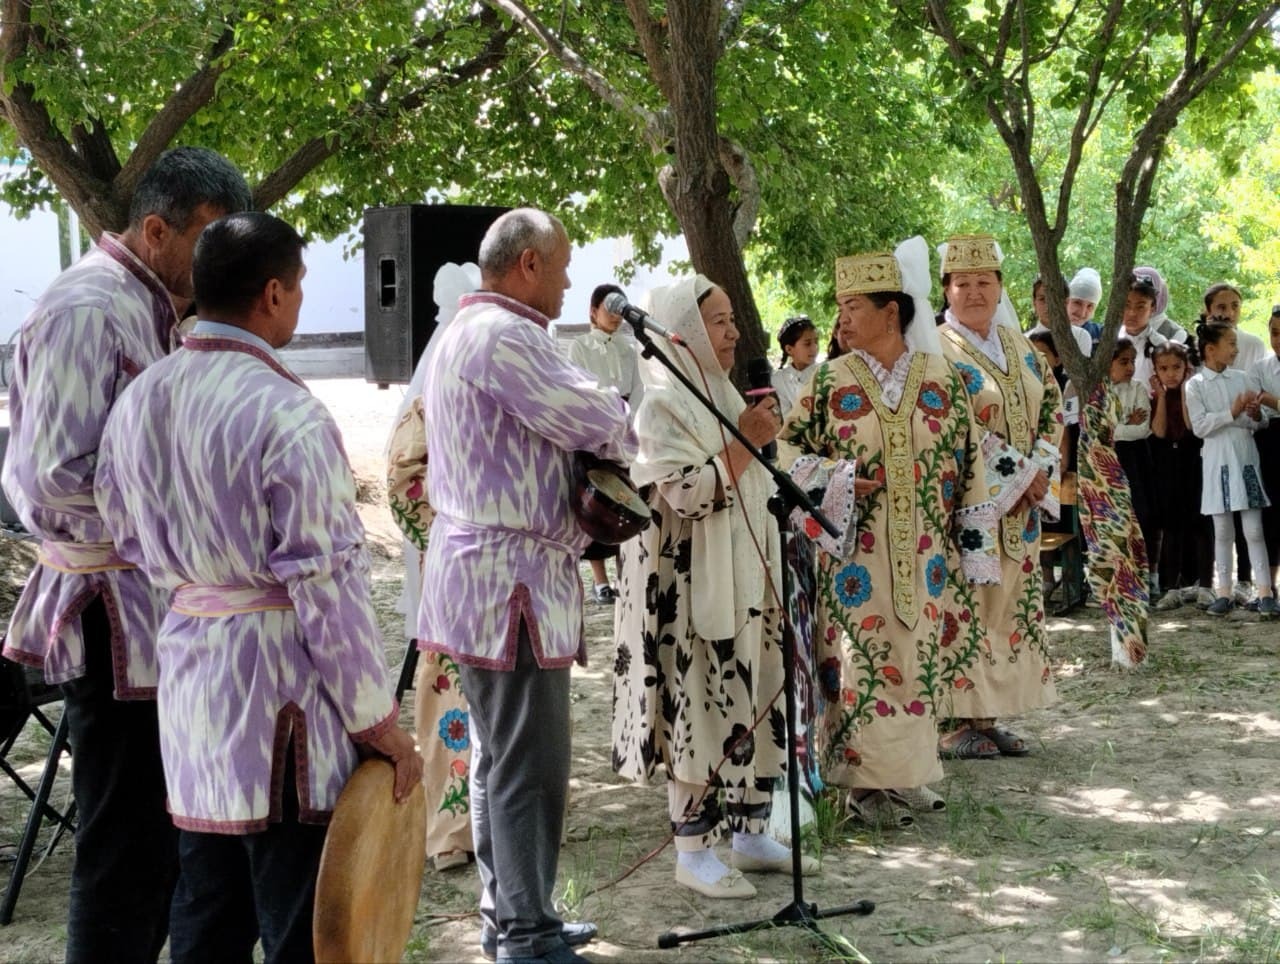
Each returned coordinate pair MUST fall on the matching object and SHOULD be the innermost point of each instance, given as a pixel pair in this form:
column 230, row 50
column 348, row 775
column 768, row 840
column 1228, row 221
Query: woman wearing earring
column 1017, row 406
column 698, row 621
column 894, row 601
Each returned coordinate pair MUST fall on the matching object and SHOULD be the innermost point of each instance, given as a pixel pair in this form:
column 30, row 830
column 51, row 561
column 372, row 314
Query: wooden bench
column 1066, row 551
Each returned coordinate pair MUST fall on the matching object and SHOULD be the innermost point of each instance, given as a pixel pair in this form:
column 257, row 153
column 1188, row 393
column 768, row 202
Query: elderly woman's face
column 717, row 315
column 973, row 296
column 862, row 323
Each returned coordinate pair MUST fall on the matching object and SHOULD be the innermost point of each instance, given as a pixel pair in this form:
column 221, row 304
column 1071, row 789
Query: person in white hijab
column 698, row 621
column 438, row 698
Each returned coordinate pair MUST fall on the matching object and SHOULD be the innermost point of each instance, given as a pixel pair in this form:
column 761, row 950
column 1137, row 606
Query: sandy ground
column 1141, row 829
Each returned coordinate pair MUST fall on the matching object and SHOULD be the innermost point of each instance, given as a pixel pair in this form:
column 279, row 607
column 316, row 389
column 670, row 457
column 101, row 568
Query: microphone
column 760, row 378
column 616, row 303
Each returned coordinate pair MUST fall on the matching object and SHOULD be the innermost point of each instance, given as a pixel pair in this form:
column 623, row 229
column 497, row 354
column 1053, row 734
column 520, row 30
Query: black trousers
column 125, row 863
column 235, row 888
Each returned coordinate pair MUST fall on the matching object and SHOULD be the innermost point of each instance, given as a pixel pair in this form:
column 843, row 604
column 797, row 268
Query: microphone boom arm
column 791, row 494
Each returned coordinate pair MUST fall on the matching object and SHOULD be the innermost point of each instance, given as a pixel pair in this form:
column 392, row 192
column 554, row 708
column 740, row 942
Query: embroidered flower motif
column 458, row 767
column 622, row 660
column 414, row 492
column 973, row 381
column 971, row 539
column 948, row 489
column 853, row 585
column 1031, row 531
column 740, row 745
column 1030, row 359
column 850, row 402
column 950, row 629
column 935, row 576
column 829, row 677
column 453, row 730
column 1006, row 465
column 933, row 400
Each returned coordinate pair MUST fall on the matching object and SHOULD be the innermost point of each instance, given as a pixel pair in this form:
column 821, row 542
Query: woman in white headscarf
column 698, row 623
column 440, row 711
column 1017, row 405
column 894, row 599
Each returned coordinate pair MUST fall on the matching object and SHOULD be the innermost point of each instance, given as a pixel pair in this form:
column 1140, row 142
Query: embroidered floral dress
column 894, row 621
column 1020, row 413
column 1117, row 551
column 440, row 711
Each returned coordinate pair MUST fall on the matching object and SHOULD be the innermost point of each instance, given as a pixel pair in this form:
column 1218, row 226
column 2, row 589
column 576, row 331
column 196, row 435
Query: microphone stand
column 798, row 913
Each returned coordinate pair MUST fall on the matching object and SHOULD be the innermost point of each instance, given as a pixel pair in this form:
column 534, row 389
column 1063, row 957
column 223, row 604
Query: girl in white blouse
column 1225, row 412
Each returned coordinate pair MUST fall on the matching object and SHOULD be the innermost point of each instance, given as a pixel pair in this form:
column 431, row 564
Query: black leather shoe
column 575, row 934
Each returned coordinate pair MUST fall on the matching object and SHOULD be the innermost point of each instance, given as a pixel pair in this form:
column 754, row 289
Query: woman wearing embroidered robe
column 894, row 603
column 1017, row 406
column 697, row 622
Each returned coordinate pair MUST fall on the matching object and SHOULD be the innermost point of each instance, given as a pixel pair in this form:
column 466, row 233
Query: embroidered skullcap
column 970, row 252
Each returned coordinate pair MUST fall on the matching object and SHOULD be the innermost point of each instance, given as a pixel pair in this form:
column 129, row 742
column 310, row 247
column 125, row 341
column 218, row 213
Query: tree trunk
column 699, row 191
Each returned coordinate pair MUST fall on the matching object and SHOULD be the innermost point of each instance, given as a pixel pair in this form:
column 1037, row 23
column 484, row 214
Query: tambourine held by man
column 606, row 503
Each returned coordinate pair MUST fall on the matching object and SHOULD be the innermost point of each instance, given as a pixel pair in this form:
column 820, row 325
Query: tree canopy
column 814, row 129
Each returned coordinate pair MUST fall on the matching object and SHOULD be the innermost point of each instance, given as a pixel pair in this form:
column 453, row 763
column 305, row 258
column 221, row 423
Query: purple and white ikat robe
column 219, row 469
column 504, row 411
column 100, row 323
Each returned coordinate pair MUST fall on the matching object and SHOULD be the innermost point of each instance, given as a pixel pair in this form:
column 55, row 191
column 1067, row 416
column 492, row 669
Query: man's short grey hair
column 517, row 231
column 184, row 178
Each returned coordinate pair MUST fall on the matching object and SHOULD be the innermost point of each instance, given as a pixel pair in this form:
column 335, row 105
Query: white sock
column 703, row 864
column 759, row 845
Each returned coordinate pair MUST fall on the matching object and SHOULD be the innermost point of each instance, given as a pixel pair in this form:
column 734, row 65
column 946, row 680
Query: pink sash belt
column 81, row 558
column 212, row 601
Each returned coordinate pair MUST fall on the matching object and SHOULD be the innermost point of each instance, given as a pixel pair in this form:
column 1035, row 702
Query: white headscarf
column 912, row 256
column 675, row 430
column 452, row 281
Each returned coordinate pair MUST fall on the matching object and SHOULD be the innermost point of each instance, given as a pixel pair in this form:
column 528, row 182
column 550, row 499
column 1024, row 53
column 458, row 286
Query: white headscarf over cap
column 912, row 256
column 452, row 281
column 677, row 433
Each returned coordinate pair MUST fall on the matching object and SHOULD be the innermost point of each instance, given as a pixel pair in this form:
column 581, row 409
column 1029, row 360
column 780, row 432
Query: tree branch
column 649, row 32
column 729, row 23
column 316, row 151
column 650, row 123
column 196, row 92
column 79, row 184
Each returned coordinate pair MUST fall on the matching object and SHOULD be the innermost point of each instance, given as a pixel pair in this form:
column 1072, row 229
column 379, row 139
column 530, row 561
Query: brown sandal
column 974, row 745
column 1006, row 741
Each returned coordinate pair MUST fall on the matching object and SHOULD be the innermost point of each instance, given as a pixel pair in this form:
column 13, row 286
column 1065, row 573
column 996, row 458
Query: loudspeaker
column 404, row 247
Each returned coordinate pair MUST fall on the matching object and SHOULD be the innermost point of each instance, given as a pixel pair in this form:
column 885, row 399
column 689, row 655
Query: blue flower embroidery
column 1031, row 531
column 853, row 585
column 1031, row 363
column 948, row 488
column 972, row 378
column 454, row 730
column 935, row 576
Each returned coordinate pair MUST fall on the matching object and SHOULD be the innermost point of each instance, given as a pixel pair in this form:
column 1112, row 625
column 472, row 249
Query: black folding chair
column 23, row 693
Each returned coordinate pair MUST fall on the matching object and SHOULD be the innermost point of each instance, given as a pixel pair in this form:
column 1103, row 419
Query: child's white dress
column 1230, row 466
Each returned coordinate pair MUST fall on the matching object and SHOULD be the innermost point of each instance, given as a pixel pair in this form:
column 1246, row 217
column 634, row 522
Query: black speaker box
column 404, row 247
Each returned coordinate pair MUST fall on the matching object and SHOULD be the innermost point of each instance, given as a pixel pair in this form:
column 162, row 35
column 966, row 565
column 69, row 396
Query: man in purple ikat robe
column 225, row 481
column 86, row 616
column 504, row 411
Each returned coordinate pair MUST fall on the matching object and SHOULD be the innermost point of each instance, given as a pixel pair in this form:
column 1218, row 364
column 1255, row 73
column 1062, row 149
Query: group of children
column 1198, row 437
